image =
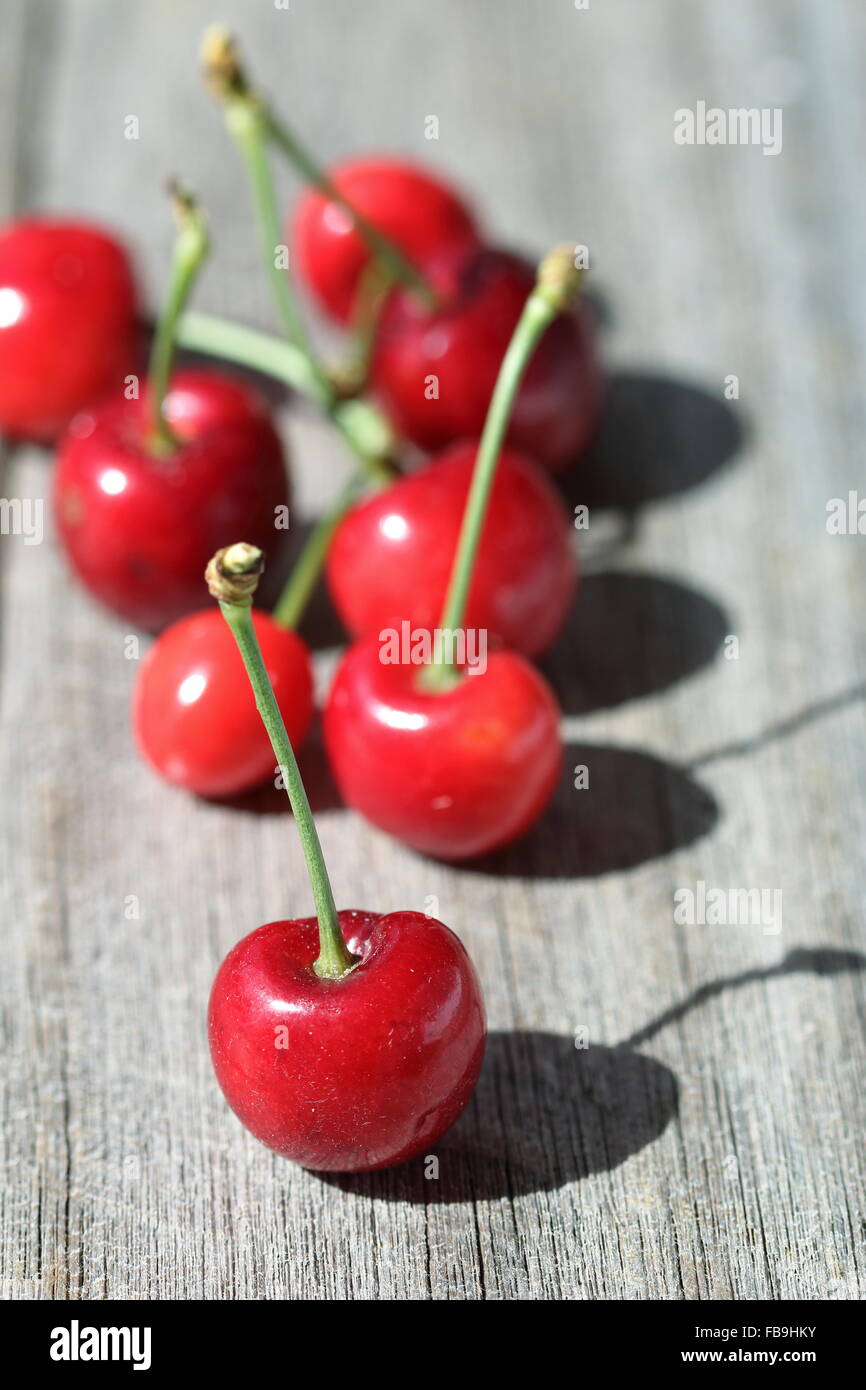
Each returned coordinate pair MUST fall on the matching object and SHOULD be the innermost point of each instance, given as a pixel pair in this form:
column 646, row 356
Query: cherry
column 356, row 1073
column 67, row 323
column 350, row 1040
column 453, row 773
column 408, row 205
column 146, row 487
column 139, row 526
column 391, row 557
column 434, row 369
column 194, row 714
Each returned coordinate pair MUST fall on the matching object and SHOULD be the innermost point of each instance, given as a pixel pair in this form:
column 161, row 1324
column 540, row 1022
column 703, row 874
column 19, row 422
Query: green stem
column 248, row 347
column 302, row 581
column 364, row 428
column 229, row 83
column 247, row 122
column 243, row 563
column 248, row 130
column 375, row 284
column 190, row 252
column 556, row 282
column 398, row 267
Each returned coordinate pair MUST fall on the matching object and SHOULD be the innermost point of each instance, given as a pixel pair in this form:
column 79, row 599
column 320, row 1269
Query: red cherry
column 434, row 370
column 407, row 204
column 67, row 323
column 356, row 1073
column 454, row 773
column 140, row 529
column 392, row 556
column 194, row 713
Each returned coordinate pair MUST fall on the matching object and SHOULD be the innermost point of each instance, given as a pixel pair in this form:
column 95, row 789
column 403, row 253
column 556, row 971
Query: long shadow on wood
column 546, row 1113
column 543, row 1114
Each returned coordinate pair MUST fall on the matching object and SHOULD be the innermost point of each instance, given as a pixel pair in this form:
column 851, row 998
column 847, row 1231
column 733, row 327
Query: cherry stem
column 296, row 595
column 398, row 267
column 373, row 290
column 228, row 81
column 246, row 122
column 190, row 251
column 361, row 424
column 232, row 577
column 557, row 281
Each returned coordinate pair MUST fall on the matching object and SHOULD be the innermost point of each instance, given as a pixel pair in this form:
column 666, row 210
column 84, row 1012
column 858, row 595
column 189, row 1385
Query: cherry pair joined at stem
column 435, row 356
column 436, row 340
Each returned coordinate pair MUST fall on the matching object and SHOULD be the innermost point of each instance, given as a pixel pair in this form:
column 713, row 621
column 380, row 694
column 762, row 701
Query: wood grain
column 708, row 1142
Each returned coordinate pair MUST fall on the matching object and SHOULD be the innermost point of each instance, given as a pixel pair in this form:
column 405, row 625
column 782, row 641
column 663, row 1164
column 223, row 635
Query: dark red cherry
column 434, row 370
column 355, row 1073
column 391, row 558
column 417, row 211
column 194, row 713
column 67, row 323
column 139, row 529
column 454, row 773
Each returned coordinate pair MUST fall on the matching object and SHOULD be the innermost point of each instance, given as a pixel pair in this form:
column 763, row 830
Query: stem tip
column 559, row 276
column 233, row 574
column 222, row 68
column 193, row 243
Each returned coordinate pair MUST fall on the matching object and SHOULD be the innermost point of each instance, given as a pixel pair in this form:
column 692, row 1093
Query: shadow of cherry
column 546, row 1113
column 630, row 807
column 658, row 437
column 629, row 635
column 543, row 1114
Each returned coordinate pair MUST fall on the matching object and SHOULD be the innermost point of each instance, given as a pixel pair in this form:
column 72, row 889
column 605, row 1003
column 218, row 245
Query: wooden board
column 707, row 1144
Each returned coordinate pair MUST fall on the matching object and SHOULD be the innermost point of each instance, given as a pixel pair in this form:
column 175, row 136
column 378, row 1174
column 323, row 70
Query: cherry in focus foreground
column 348, row 1041
column 359, row 1072
column 67, row 323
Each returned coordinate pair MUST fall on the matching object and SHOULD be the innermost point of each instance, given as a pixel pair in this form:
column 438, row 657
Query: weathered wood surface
column 708, row 1144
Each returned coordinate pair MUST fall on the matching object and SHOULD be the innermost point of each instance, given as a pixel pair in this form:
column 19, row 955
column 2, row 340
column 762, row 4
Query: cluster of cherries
column 486, row 367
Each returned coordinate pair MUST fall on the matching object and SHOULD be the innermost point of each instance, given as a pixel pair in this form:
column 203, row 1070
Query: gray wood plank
column 708, row 1143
